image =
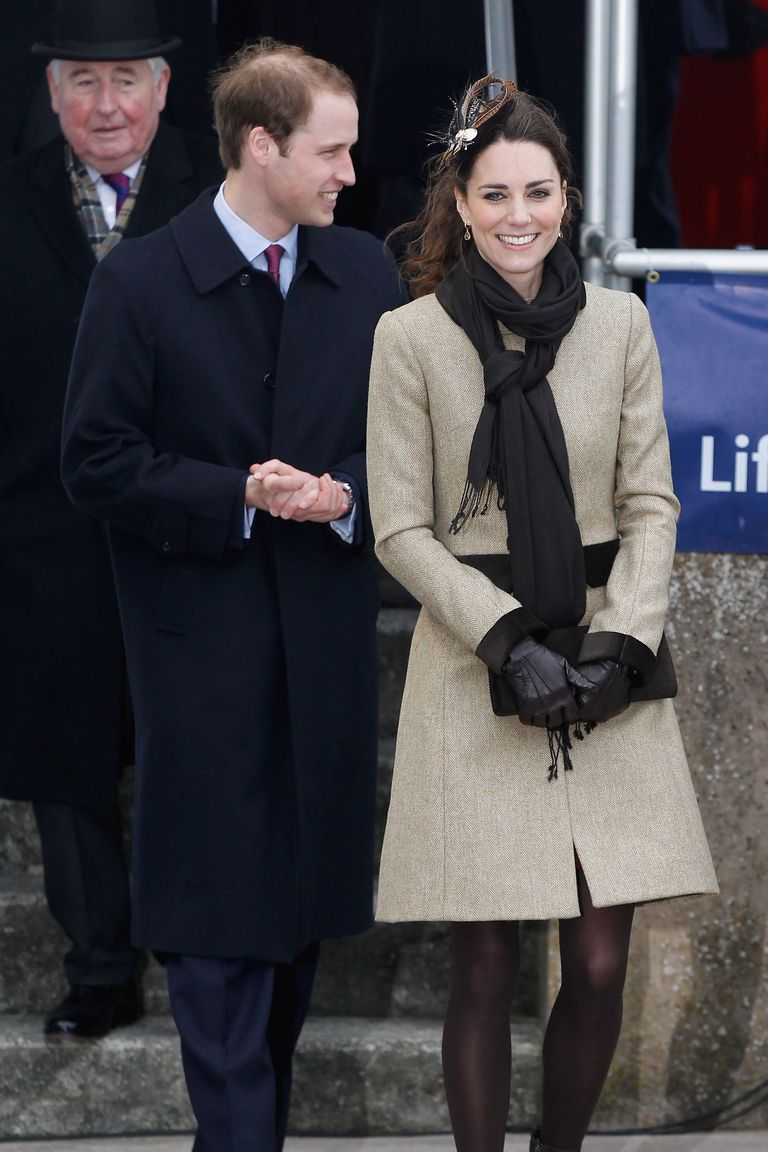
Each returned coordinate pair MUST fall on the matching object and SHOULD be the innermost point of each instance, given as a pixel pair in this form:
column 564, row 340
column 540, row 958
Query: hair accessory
column 480, row 102
column 465, row 136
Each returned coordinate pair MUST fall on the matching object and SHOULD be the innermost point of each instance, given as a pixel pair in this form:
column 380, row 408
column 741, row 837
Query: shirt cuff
column 345, row 526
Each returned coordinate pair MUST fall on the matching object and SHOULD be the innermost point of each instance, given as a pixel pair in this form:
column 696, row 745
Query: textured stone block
column 19, row 842
column 352, row 1076
column 131, row 1081
column 358, row 1079
column 400, row 970
column 391, row 970
column 31, row 948
column 695, row 1033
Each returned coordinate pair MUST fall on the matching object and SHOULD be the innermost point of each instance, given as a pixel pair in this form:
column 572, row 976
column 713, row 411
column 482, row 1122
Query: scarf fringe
column 560, row 744
column 474, row 501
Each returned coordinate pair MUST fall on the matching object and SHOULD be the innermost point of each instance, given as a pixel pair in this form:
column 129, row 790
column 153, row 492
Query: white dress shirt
column 107, row 194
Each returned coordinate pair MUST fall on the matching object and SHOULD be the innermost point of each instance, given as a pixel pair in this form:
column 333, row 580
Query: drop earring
column 467, row 233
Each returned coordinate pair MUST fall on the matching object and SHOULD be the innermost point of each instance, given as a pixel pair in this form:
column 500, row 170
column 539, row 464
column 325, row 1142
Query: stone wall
column 696, row 1007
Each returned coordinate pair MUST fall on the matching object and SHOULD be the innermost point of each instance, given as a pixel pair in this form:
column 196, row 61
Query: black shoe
column 91, row 1010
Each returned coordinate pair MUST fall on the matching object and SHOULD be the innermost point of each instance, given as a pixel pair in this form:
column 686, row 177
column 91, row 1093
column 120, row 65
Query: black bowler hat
column 106, row 30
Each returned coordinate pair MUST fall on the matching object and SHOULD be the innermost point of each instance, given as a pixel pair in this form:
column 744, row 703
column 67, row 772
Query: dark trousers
column 87, row 889
column 239, row 1022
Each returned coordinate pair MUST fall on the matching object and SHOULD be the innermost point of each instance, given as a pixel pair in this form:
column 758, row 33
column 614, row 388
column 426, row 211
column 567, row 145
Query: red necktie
column 274, row 255
column 121, row 184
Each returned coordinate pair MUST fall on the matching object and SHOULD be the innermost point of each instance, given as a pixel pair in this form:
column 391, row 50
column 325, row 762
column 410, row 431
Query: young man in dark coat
column 64, row 724
column 219, row 429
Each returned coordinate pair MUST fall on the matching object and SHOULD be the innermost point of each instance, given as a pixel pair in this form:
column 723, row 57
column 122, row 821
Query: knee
column 599, row 976
column 485, row 965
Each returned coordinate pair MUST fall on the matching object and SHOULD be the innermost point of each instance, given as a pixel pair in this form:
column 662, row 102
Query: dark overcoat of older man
column 65, row 730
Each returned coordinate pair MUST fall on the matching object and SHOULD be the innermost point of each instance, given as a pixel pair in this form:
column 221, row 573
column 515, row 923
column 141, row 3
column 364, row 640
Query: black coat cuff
column 499, row 640
column 617, row 646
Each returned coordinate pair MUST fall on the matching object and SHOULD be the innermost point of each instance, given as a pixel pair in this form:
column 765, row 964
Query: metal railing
column 610, row 253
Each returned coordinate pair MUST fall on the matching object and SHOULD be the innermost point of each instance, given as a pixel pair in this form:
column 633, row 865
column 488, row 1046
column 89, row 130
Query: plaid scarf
column 88, row 206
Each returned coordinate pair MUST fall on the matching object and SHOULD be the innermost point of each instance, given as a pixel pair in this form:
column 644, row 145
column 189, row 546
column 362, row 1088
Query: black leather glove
column 544, row 684
column 607, row 692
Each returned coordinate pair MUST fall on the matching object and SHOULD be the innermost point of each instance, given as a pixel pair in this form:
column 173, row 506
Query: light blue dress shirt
column 252, row 245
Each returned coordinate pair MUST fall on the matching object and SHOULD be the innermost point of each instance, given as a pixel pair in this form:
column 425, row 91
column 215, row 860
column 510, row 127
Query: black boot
column 538, row 1145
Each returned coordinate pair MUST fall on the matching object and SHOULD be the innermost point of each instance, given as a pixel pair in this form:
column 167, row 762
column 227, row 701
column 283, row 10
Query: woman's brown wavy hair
column 438, row 229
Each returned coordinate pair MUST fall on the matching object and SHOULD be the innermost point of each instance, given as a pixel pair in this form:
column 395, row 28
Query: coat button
column 245, row 278
column 269, row 381
column 165, row 546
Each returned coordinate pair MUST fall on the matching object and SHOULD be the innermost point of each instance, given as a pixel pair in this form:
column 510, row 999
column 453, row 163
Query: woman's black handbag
column 660, row 682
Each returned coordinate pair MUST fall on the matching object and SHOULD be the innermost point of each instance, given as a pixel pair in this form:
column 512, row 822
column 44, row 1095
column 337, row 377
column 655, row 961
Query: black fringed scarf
column 518, row 447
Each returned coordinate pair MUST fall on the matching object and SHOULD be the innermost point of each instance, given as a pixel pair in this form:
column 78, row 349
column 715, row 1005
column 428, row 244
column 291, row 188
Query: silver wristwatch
column 350, row 494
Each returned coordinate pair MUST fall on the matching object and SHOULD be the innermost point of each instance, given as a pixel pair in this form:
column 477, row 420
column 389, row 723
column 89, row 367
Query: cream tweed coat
column 475, row 831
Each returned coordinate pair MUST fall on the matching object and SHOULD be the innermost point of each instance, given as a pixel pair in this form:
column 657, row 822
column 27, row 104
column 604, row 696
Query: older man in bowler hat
column 220, row 432
column 114, row 171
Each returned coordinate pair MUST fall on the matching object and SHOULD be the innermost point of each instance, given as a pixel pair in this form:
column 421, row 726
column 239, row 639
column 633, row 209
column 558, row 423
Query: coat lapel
column 210, row 255
column 50, row 202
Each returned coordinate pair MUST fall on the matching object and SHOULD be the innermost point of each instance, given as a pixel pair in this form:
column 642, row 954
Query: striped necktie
column 121, row 184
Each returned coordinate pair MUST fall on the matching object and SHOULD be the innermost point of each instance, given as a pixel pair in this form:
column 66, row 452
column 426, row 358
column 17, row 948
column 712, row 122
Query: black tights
column 580, row 1038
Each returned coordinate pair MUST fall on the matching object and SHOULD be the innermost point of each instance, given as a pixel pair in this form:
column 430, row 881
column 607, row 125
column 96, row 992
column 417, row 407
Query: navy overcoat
column 252, row 663
column 65, row 730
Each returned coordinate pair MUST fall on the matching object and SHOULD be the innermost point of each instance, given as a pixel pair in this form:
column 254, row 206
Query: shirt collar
column 250, row 242
column 130, row 171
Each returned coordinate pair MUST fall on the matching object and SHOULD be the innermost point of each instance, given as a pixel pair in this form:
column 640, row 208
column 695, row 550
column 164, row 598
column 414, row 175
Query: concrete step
column 392, row 970
column 353, row 1077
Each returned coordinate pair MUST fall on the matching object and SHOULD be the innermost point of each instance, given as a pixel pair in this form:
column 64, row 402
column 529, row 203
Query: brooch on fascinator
column 480, row 102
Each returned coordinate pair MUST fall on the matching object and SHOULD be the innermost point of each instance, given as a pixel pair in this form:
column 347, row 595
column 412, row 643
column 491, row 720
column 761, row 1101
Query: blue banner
column 712, row 333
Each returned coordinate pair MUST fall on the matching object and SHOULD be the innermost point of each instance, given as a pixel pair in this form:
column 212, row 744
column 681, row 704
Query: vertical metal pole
column 500, row 39
column 621, row 129
column 596, row 74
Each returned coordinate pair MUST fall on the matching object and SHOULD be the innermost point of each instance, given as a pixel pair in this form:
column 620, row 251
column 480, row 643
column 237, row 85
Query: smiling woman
column 109, row 110
column 520, row 489
column 514, row 204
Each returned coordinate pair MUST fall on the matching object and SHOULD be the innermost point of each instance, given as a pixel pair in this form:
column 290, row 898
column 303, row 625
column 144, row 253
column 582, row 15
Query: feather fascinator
column 481, row 101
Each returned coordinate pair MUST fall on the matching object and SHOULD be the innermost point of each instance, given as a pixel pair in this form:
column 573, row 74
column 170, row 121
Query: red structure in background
column 720, row 150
